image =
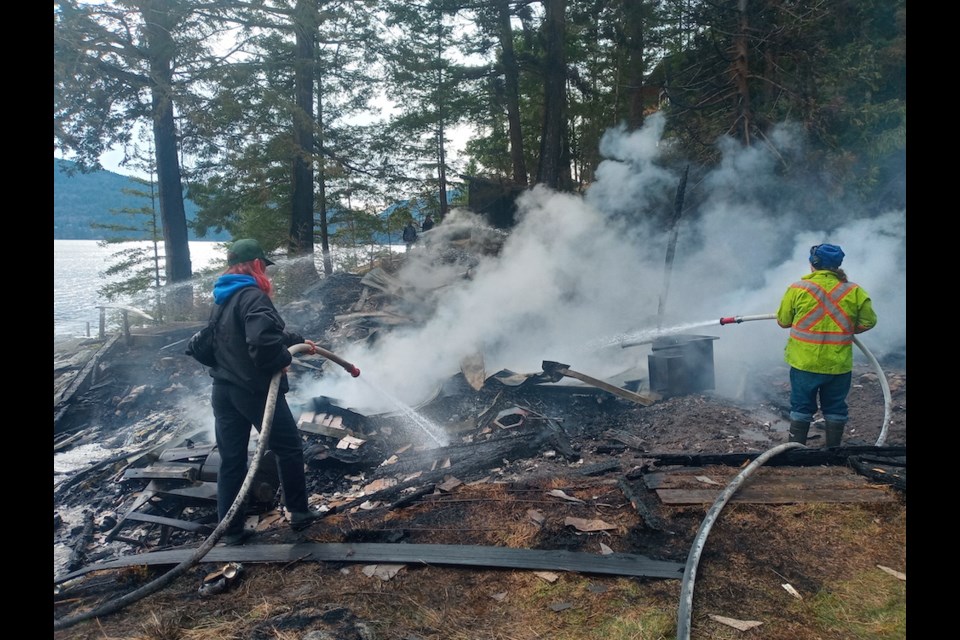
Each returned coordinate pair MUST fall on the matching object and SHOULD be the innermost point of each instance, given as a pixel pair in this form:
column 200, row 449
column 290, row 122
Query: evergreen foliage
column 295, row 92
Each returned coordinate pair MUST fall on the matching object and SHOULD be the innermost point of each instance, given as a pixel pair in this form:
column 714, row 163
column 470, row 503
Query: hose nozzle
column 354, row 371
column 739, row 319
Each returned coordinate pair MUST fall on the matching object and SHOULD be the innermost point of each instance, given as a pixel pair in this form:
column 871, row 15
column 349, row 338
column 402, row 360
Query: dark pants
column 235, row 410
column 831, row 389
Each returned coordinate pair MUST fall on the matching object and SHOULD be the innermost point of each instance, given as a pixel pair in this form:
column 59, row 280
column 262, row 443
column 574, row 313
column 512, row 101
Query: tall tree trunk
column 442, row 171
column 441, row 152
column 301, row 217
column 322, row 181
column 551, row 171
column 742, row 111
column 511, row 76
column 634, row 32
column 170, row 188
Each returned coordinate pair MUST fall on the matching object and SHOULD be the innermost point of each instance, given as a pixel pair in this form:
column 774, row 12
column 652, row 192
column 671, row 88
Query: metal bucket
column 681, row 364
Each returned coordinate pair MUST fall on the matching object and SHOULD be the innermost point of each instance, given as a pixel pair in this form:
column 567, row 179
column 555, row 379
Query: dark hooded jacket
column 251, row 343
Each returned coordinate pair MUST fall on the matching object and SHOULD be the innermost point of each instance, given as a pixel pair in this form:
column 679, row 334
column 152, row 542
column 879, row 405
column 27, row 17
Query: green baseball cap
column 245, row 250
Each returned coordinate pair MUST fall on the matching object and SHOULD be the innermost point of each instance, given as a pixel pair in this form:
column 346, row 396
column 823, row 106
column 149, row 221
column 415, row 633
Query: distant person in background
column 251, row 347
column 823, row 311
column 427, row 223
column 409, row 234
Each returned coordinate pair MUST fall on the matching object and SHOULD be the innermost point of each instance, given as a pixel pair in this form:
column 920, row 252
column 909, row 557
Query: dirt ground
column 841, row 559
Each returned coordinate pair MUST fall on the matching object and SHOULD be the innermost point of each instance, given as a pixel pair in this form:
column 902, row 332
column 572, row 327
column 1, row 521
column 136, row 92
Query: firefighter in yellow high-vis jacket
column 823, row 311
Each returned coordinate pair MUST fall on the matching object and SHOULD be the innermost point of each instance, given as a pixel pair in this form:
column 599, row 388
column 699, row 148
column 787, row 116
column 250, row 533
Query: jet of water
column 643, row 336
column 410, row 415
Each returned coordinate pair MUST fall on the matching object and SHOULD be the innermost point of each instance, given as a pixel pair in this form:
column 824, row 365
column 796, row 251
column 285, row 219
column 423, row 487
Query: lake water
column 77, row 269
column 77, row 275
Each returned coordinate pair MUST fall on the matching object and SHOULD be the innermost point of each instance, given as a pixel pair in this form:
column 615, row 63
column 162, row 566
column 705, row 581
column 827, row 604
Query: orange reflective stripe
column 821, row 337
column 828, row 304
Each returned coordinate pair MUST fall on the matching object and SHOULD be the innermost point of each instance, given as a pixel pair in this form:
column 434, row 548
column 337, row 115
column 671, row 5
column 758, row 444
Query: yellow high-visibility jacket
column 823, row 314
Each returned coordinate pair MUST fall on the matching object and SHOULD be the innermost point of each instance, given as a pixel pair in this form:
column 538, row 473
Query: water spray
column 873, row 361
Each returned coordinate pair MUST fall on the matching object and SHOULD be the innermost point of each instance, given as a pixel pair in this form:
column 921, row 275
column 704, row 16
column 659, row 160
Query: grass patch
column 872, row 606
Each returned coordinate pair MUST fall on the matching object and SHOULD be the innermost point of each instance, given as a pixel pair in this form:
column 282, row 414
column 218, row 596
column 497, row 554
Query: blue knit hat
column 826, row 256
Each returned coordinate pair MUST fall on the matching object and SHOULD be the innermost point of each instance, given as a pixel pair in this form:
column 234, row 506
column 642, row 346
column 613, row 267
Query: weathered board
column 621, row 564
column 803, row 478
column 767, row 486
column 771, row 495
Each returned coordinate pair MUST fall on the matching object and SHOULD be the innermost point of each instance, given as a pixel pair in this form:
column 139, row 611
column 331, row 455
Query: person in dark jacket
column 251, row 346
column 409, row 234
column 427, row 223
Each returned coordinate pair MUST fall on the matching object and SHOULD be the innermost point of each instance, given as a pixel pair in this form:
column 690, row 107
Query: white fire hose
column 873, row 361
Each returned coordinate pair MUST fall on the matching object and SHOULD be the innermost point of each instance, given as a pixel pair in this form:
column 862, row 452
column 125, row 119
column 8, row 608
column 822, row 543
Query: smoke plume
column 578, row 275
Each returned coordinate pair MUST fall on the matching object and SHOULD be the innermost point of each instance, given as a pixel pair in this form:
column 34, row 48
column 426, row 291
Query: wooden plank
column 775, row 495
column 179, row 454
column 621, row 564
column 62, row 401
column 198, row 491
column 801, row 478
column 650, row 519
column 792, row 457
column 186, row 525
column 336, row 433
column 645, row 399
column 171, row 470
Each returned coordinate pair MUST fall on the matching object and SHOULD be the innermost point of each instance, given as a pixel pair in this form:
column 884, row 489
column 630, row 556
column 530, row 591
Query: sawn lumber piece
column 772, row 495
column 621, row 564
column 794, row 457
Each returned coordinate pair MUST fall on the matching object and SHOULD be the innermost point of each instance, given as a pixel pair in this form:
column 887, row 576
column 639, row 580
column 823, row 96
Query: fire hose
column 884, row 385
column 208, row 544
column 693, row 558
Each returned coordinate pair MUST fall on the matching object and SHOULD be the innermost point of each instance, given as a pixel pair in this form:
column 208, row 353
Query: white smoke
column 577, row 275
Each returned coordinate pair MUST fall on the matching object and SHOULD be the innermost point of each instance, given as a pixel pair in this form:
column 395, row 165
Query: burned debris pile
column 505, row 437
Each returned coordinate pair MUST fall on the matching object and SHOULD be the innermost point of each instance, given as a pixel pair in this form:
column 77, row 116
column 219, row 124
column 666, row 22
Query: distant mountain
column 82, row 199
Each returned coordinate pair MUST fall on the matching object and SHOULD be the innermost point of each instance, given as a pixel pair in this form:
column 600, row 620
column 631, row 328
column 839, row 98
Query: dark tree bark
column 322, row 181
column 741, row 69
column 441, row 143
column 442, row 171
column 511, row 76
column 634, row 32
column 159, row 25
column 301, row 216
column 553, row 171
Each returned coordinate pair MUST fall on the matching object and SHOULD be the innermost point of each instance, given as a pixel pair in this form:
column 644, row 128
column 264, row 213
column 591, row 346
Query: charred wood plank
column 628, row 439
column 466, row 461
column 600, row 468
column 610, row 449
column 802, row 478
column 198, row 492
column 78, row 552
column 774, row 495
column 186, row 525
column 650, row 520
column 792, row 457
column 478, row 456
column 57, row 446
column 169, row 470
column 886, row 473
column 413, row 497
column 81, row 382
column 621, row 564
